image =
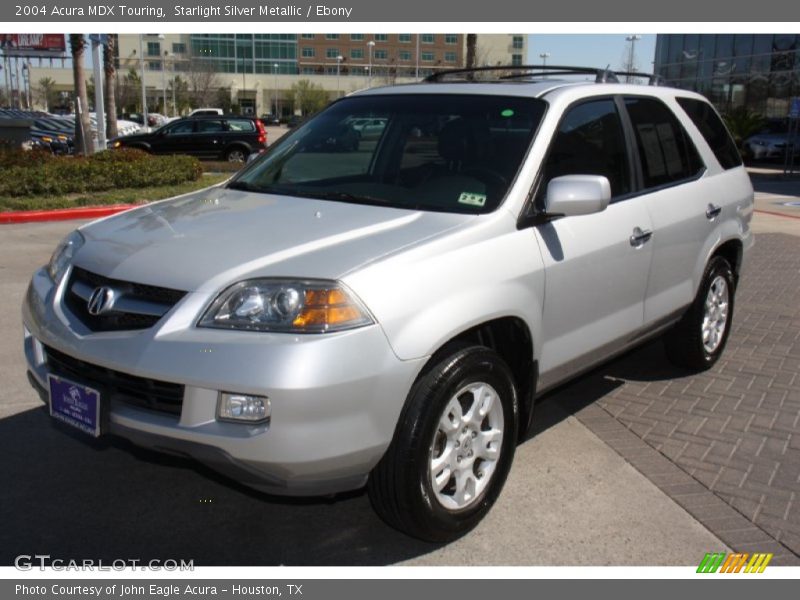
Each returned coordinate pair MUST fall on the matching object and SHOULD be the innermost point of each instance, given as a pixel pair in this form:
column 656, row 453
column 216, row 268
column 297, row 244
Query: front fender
column 427, row 296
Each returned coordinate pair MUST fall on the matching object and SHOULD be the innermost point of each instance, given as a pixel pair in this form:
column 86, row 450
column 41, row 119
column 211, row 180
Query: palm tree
column 83, row 126
column 109, row 93
column 46, row 87
column 742, row 123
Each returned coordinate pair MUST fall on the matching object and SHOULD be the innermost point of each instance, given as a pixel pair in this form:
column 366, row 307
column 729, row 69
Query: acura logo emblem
column 101, row 301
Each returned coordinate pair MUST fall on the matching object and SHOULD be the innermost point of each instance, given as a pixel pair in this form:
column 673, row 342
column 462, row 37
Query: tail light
column 262, row 133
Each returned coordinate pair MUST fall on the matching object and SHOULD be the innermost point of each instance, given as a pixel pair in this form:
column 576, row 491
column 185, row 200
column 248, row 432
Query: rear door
column 596, row 266
column 209, row 138
column 669, row 171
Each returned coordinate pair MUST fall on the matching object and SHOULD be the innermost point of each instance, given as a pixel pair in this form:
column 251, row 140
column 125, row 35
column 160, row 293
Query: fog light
column 242, row 408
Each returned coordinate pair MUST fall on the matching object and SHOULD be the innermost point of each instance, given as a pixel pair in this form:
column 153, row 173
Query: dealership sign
column 33, row 44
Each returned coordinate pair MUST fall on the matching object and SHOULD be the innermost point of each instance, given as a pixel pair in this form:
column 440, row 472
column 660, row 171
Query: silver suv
column 382, row 308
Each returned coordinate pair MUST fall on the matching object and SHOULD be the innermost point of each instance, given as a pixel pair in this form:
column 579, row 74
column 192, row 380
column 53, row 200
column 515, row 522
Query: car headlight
column 280, row 305
column 63, row 255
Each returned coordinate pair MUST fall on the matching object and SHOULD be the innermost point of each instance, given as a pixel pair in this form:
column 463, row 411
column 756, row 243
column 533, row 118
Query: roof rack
column 533, row 71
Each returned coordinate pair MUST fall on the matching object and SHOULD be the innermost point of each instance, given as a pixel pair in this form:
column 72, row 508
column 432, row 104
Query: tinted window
column 713, row 130
column 590, row 141
column 181, row 128
column 665, row 150
column 241, row 125
column 453, row 153
column 210, row 126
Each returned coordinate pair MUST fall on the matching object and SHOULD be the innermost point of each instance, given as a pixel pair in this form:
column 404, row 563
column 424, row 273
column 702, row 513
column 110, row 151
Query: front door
column 596, row 266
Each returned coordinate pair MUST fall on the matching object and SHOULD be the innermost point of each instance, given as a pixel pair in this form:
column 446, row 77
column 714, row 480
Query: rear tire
column 698, row 339
column 452, row 448
column 236, row 155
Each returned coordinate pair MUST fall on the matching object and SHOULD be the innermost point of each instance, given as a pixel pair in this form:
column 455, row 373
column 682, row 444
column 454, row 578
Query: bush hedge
column 41, row 174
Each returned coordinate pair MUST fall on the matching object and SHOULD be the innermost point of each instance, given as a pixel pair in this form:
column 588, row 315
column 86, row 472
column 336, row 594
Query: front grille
column 136, row 305
column 147, row 393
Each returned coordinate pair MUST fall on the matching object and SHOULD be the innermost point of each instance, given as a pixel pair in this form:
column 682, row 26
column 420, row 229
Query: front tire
column 452, row 449
column 699, row 338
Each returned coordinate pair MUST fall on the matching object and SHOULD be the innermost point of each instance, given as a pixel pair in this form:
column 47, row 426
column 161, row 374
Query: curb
column 62, row 214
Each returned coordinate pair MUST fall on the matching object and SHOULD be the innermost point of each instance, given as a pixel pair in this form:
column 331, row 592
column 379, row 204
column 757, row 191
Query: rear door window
column 713, row 131
column 210, row 126
column 666, row 153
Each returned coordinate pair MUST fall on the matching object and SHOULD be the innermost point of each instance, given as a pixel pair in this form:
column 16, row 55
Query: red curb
column 776, row 214
column 62, row 214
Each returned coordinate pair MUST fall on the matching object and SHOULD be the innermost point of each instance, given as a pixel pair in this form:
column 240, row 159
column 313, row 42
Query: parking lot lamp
column 144, row 91
column 275, row 66
column 339, row 60
column 370, row 45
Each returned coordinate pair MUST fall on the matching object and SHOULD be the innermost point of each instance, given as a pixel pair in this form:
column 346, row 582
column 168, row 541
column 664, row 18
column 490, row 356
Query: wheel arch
column 236, row 146
column 511, row 338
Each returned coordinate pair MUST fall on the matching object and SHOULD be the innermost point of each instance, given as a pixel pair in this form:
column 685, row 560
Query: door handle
column 640, row 236
column 712, row 212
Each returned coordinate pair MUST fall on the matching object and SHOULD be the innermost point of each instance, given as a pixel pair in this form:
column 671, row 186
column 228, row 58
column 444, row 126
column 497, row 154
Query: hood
column 209, row 239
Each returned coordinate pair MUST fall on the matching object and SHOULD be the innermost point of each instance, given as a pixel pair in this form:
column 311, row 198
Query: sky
column 583, row 50
column 591, row 50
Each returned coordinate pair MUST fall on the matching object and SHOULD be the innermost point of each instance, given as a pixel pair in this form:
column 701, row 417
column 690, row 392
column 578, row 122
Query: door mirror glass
column 573, row 195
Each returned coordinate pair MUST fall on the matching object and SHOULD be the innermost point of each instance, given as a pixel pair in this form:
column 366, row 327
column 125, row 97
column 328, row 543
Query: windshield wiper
column 249, row 187
column 342, row 196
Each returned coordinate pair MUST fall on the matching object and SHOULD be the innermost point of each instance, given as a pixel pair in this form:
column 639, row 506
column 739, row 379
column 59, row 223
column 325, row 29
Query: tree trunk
column 110, row 85
column 472, row 45
column 84, row 144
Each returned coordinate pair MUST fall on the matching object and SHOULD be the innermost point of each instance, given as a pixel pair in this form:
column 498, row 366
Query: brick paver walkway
column 734, row 430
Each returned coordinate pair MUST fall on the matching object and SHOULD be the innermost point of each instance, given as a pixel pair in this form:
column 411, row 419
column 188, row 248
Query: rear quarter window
column 241, row 125
column 666, row 152
column 713, row 131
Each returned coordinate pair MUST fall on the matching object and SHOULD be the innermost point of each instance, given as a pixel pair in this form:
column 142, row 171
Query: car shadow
column 645, row 363
column 73, row 497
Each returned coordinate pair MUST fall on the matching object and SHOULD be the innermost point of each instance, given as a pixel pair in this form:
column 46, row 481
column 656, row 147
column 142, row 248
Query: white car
column 386, row 314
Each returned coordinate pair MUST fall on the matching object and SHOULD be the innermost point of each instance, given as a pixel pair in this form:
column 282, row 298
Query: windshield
column 453, row 153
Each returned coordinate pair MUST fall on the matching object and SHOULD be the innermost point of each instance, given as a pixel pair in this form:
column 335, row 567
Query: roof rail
column 533, row 71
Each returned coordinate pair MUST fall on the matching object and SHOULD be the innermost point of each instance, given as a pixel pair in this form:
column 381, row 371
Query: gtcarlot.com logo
column 28, row 562
column 739, row 562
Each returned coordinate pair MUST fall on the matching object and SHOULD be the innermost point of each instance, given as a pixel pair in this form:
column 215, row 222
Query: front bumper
column 335, row 398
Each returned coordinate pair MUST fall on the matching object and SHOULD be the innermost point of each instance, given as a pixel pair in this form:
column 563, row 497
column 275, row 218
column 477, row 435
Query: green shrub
column 58, row 175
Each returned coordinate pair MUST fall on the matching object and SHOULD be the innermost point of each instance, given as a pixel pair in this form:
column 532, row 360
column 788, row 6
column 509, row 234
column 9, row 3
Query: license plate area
column 75, row 404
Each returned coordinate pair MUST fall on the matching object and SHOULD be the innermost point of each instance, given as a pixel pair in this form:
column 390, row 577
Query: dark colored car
column 230, row 138
column 294, row 121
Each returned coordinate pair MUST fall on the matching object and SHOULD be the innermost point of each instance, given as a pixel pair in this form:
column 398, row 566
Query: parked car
column 225, row 138
column 771, row 143
column 270, row 119
column 294, row 121
column 336, row 317
column 207, row 112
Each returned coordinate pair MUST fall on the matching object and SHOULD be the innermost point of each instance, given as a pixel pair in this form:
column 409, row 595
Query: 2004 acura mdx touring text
column 382, row 307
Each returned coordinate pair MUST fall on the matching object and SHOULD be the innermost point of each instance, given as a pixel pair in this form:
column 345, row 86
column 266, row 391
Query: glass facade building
column 247, row 53
column 758, row 71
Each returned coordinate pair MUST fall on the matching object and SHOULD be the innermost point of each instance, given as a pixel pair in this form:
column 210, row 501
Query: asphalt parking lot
column 635, row 463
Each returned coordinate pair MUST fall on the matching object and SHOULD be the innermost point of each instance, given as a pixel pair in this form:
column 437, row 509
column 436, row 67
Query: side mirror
column 573, row 195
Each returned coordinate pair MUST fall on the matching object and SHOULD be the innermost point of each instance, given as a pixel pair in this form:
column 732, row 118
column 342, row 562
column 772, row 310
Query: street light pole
column 370, row 45
column 275, row 66
column 164, row 81
column 339, row 60
column 544, row 56
column 631, row 56
column 144, row 92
